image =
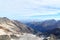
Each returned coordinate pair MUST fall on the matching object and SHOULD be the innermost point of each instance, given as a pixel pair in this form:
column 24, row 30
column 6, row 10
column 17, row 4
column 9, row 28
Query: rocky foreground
column 25, row 36
column 14, row 30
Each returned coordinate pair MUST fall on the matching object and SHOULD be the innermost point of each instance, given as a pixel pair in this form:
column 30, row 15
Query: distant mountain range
column 47, row 26
column 17, row 28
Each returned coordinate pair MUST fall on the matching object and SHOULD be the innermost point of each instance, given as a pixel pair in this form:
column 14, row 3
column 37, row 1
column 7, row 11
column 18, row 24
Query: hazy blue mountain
column 46, row 26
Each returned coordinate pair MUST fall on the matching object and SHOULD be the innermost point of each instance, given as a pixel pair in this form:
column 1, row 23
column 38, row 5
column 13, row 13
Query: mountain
column 56, row 31
column 23, row 28
column 14, row 26
column 8, row 26
column 44, row 26
column 15, row 30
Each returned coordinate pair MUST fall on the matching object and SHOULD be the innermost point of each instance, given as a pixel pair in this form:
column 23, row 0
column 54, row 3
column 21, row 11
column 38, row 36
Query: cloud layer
column 30, row 9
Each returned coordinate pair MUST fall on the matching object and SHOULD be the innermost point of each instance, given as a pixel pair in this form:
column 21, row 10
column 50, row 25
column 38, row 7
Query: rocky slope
column 27, row 36
column 23, row 28
column 15, row 30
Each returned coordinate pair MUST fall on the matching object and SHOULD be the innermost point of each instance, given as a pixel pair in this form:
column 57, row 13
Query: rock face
column 52, row 37
column 27, row 36
column 4, row 37
column 23, row 28
column 7, row 26
column 13, row 26
column 14, row 30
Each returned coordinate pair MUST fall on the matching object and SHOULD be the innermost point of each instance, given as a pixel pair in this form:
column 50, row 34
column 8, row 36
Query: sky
column 30, row 9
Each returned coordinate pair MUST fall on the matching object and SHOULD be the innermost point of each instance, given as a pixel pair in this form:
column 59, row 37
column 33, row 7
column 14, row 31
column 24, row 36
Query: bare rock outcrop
column 15, row 30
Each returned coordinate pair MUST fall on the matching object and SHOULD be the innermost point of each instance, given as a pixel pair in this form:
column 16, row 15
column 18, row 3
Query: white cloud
column 28, row 8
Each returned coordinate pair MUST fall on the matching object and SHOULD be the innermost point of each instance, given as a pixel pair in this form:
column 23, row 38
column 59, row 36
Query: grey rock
column 4, row 37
